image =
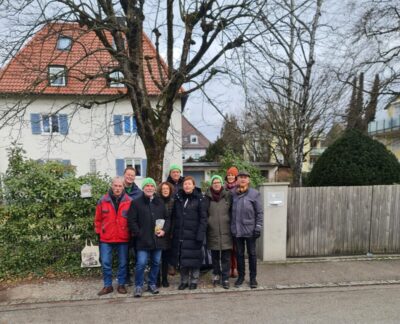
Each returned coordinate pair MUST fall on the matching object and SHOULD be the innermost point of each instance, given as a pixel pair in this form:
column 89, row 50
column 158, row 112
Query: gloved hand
column 257, row 232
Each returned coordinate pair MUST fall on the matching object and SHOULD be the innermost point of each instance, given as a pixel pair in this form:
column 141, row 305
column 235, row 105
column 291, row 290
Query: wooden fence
column 325, row 221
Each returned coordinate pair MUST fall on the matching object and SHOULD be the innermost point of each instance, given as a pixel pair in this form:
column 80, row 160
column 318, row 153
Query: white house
column 44, row 92
column 194, row 143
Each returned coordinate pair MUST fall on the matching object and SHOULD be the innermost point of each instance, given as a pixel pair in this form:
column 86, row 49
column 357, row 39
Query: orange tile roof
column 27, row 72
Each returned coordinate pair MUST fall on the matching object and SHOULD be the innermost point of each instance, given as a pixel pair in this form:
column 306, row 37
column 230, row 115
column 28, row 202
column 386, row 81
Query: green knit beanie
column 175, row 167
column 148, row 181
column 216, row 176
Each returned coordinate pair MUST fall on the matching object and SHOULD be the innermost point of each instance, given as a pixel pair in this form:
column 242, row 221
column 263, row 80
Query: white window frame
column 134, row 162
column 57, row 76
column 194, row 139
column 62, row 38
column 48, row 129
column 114, row 77
column 131, row 131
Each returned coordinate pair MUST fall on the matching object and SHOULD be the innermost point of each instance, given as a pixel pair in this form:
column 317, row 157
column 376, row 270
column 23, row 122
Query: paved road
column 372, row 304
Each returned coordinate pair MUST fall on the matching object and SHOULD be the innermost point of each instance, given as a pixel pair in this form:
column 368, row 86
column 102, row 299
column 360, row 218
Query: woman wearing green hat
column 219, row 238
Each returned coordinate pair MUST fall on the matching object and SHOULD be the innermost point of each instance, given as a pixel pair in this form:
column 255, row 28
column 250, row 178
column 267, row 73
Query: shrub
column 355, row 159
column 43, row 220
column 230, row 159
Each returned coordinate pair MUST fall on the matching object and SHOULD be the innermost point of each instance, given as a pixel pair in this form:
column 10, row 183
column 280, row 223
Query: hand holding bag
column 90, row 256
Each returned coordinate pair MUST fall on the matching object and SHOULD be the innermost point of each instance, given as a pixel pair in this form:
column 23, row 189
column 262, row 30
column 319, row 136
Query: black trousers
column 221, row 261
column 250, row 243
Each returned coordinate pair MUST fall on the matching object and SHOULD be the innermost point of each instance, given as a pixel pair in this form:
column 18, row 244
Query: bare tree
column 193, row 36
column 291, row 94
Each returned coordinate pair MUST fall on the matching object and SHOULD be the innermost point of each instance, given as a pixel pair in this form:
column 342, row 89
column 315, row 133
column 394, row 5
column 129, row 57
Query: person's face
column 117, row 187
column 129, row 177
column 175, row 175
column 165, row 190
column 216, row 185
column 243, row 181
column 231, row 178
column 149, row 190
column 188, row 186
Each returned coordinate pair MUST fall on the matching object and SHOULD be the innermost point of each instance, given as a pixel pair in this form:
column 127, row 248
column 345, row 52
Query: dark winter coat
column 247, row 213
column 189, row 230
column 219, row 235
column 142, row 217
column 134, row 191
column 169, row 204
column 111, row 223
column 177, row 185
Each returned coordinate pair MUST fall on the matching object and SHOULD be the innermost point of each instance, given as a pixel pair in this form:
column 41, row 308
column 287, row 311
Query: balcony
column 384, row 126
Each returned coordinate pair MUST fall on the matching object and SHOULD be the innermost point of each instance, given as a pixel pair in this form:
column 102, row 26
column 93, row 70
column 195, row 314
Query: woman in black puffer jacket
column 166, row 193
column 190, row 223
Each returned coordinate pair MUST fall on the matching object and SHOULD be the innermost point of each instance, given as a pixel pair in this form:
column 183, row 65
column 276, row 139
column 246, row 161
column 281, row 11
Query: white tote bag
column 90, row 256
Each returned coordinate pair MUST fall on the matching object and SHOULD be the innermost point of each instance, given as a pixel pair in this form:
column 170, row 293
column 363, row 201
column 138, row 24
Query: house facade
column 45, row 91
column 194, row 143
column 386, row 128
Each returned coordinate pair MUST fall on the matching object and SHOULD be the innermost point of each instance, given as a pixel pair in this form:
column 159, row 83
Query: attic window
column 115, row 79
column 64, row 43
column 194, row 139
column 57, row 76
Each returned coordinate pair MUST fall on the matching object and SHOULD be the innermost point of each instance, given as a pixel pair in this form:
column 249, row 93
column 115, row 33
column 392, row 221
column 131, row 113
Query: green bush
column 43, row 220
column 230, row 159
column 355, row 159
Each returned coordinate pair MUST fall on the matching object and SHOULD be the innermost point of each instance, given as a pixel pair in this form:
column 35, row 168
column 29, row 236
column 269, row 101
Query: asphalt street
column 361, row 304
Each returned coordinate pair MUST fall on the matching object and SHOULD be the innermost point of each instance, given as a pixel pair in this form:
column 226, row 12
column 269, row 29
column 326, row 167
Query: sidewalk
column 295, row 273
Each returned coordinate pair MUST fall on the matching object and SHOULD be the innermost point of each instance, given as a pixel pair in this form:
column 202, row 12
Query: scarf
column 216, row 195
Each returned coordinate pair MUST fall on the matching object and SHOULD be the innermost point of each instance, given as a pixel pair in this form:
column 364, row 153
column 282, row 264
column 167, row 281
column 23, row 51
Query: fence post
column 272, row 244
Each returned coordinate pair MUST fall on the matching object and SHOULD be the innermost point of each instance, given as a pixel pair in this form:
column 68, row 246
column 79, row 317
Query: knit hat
column 148, row 181
column 232, row 170
column 216, row 176
column 175, row 167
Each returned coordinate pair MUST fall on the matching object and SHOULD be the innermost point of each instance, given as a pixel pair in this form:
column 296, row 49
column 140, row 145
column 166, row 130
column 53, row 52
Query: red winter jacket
column 112, row 226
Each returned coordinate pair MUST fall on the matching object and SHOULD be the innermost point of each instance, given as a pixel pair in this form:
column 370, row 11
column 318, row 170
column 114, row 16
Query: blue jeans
column 106, row 250
column 141, row 261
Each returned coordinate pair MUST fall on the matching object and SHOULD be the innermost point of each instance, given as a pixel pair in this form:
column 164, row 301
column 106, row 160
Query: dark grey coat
column 247, row 213
column 219, row 235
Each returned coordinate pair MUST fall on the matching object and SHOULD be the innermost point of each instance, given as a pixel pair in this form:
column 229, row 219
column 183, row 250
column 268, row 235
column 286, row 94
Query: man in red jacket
column 111, row 224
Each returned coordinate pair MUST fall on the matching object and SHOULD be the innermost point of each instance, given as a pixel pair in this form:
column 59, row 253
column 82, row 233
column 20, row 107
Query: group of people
column 168, row 226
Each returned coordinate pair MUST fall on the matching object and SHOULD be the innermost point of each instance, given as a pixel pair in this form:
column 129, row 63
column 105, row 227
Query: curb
column 203, row 291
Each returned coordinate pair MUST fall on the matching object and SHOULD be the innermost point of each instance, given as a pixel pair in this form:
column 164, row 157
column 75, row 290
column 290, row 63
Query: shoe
column 193, row 286
column 225, row 284
column 239, row 282
column 138, row 292
column 234, row 273
column 153, row 289
column 121, row 289
column 165, row 283
column 105, row 291
column 253, row 283
column 183, row 286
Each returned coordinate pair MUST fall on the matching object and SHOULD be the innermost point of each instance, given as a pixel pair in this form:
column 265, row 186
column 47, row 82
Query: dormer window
column 115, row 79
column 194, row 139
column 64, row 43
column 57, row 76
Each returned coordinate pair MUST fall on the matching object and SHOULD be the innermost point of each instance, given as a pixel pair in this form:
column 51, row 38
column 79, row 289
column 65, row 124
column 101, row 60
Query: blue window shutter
column 127, row 124
column 66, row 162
column 117, row 124
column 120, row 166
column 144, row 168
column 63, row 119
column 35, row 124
column 134, row 125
